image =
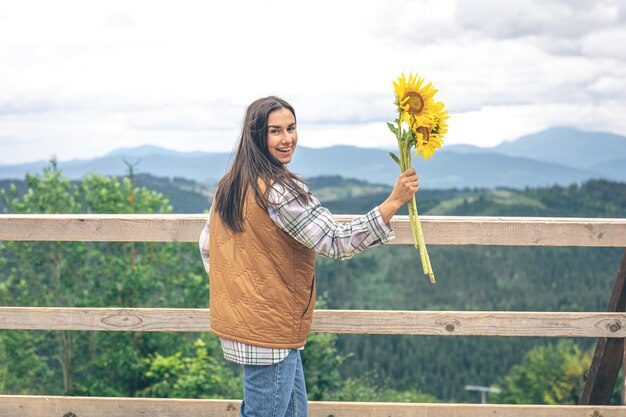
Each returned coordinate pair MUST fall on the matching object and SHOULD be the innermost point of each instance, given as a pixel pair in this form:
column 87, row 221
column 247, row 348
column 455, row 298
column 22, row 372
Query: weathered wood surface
column 624, row 375
column 609, row 353
column 469, row 323
column 438, row 230
column 447, row 323
column 47, row 406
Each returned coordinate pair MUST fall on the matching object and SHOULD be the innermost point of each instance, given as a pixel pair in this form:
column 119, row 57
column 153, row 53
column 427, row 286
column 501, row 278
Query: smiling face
column 281, row 135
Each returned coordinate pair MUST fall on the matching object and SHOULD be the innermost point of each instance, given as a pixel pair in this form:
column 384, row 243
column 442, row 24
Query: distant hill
column 554, row 156
column 198, row 166
column 464, row 148
column 561, row 145
column 614, row 169
column 451, row 169
column 567, row 146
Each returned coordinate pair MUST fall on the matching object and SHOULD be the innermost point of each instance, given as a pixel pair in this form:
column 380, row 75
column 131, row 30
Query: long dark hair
column 253, row 163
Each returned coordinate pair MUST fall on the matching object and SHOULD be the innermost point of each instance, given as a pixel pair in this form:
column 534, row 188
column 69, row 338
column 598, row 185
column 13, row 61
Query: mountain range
column 559, row 155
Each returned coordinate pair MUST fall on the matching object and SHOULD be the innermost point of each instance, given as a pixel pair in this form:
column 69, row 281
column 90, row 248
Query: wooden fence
column 609, row 327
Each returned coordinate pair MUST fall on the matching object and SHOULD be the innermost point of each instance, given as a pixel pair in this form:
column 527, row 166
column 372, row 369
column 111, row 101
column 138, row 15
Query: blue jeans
column 275, row 390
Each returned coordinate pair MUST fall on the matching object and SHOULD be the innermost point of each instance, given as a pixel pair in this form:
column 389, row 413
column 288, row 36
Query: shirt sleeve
column 315, row 227
column 203, row 243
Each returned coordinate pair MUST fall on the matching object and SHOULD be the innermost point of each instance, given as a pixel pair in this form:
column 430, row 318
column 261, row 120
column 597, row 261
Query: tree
column 366, row 389
column 202, row 375
column 552, row 374
column 321, row 362
column 91, row 274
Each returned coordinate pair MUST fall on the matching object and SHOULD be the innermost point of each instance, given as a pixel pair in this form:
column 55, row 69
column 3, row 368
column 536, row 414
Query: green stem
column 404, row 149
column 423, row 252
column 400, row 144
column 417, row 228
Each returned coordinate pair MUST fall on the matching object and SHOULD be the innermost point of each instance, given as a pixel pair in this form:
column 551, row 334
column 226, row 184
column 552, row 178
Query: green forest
column 337, row 367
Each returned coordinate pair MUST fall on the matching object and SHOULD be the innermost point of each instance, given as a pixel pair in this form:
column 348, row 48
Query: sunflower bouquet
column 425, row 120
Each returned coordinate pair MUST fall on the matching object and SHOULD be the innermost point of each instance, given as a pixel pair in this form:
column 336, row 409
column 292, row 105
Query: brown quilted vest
column 262, row 282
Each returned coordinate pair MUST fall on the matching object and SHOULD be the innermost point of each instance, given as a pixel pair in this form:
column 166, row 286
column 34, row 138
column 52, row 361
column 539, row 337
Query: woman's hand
column 406, row 186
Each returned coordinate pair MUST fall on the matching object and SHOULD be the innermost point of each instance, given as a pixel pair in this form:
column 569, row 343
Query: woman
column 265, row 229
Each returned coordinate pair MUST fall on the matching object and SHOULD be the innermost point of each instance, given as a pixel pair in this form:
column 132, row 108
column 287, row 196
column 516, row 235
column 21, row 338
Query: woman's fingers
column 406, row 186
column 410, row 177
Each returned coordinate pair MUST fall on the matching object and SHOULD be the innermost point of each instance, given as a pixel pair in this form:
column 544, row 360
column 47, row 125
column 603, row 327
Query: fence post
column 624, row 375
column 609, row 353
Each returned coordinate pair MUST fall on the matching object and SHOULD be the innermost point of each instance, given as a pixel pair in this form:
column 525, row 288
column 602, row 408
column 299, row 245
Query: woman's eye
column 274, row 131
column 291, row 129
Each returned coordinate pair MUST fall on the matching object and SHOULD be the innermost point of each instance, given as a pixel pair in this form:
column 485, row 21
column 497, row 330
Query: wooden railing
column 609, row 326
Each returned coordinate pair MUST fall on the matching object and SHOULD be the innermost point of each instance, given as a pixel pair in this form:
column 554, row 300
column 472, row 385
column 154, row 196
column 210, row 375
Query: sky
column 79, row 79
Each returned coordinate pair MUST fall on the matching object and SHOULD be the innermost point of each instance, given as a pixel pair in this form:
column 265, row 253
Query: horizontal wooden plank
column 46, row 406
column 438, row 230
column 102, row 227
column 445, row 323
column 471, row 323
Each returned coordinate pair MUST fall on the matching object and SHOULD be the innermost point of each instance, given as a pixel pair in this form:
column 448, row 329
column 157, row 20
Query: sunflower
column 426, row 120
column 414, row 99
column 430, row 136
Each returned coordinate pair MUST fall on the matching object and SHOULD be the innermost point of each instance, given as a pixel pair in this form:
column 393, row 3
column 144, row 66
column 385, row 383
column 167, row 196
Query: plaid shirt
column 315, row 227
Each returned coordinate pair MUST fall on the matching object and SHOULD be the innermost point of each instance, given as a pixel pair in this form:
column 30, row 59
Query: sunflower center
column 416, row 102
column 425, row 133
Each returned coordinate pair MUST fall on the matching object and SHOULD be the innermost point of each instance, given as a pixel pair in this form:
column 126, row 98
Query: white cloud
column 80, row 79
column 610, row 88
column 491, row 125
column 506, row 19
column 606, row 44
